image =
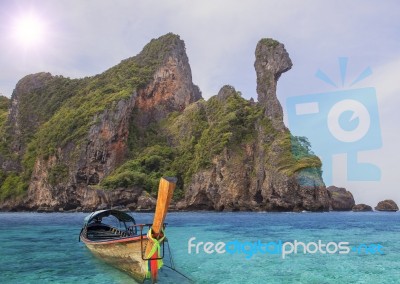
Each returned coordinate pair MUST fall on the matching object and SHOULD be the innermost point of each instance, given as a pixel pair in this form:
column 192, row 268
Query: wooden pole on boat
column 165, row 192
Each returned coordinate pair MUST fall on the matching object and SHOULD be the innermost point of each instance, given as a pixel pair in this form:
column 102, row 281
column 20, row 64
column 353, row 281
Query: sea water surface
column 44, row 248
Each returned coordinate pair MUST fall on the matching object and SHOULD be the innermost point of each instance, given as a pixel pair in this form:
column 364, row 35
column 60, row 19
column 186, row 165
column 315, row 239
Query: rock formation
column 272, row 60
column 340, row 199
column 146, row 202
column 362, row 208
column 171, row 88
column 77, row 165
column 387, row 205
column 103, row 141
column 248, row 178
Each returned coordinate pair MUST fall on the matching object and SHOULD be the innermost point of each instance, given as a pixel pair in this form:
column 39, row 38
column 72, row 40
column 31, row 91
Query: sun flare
column 29, row 30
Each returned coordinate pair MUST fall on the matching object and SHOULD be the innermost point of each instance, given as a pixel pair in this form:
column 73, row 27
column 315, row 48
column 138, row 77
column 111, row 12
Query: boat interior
column 97, row 232
column 109, row 225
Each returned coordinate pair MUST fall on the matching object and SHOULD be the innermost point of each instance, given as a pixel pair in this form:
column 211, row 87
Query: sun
column 29, row 30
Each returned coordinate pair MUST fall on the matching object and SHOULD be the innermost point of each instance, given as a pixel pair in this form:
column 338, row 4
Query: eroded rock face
column 146, row 202
column 89, row 199
column 272, row 60
column 21, row 122
column 248, row 179
column 340, row 199
column 387, row 205
column 230, row 186
column 106, row 144
column 105, row 149
column 35, row 99
column 20, row 119
column 362, row 208
column 171, row 90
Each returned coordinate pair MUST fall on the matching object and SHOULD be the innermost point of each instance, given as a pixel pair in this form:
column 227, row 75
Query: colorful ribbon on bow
column 154, row 257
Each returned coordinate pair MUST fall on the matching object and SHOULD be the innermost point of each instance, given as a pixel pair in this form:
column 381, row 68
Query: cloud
column 90, row 36
column 386, row 80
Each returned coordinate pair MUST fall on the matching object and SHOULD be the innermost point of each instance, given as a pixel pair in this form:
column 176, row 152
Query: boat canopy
column 121, row 216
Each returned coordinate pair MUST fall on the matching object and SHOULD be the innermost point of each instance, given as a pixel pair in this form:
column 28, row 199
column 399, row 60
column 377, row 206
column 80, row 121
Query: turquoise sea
column 44, row 248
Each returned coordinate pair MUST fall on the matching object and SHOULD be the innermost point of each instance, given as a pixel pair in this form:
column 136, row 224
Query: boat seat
column 104, row 234
column 103, row 237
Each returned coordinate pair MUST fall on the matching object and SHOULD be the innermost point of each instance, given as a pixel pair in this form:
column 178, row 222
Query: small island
column 387, row 205
column 362, row 208
column 104, row 141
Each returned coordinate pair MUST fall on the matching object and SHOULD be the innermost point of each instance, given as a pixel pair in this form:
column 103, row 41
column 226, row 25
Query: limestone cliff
column 272, row 60
column 105, row 140
column 170, row 90
column 261, row 173
column 4, row 106
column 154, row 83
column 258, row 174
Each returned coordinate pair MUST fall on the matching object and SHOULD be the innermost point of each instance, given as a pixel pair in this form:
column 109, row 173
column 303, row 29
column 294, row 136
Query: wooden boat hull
column 112, row 244
column 124, row 254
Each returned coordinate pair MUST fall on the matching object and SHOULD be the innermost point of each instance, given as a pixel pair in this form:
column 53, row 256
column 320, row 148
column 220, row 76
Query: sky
column 77, row 38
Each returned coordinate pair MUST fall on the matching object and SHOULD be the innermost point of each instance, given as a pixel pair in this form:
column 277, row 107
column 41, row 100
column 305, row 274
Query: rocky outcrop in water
column 340, row 199
column 387, row 205
column 362, row 208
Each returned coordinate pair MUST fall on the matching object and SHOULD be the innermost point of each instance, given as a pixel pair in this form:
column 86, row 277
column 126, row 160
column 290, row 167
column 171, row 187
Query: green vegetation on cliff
column 54, row 111
column 197, row 135
column 296, row 155
column 11, row 185
column 269, row 42
column 38, row 104
column 145, row 170
column 55, row 115
column 186, row 143
column 204, row 131
column 90, row 96
column 4, row 103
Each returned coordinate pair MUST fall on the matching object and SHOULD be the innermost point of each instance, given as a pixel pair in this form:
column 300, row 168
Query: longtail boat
column 114, row 237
